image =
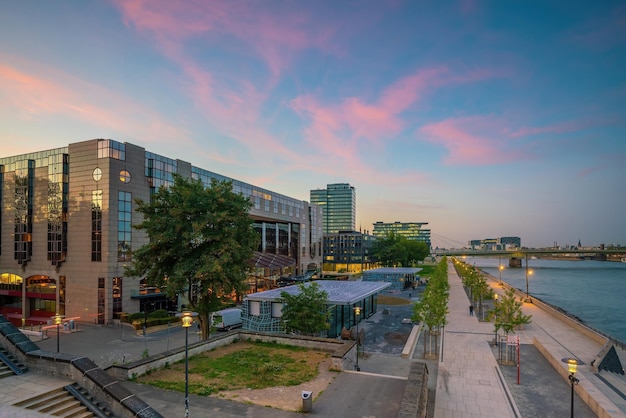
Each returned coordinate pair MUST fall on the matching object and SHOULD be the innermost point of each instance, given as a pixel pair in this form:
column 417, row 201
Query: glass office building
column 338, row 202
column 66, row 230
column 409, row 230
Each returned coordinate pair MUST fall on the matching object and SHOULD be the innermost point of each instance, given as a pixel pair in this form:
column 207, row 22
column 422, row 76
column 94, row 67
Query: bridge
column 526, row 252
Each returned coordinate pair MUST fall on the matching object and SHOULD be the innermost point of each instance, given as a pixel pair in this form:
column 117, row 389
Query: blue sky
column 484, row 119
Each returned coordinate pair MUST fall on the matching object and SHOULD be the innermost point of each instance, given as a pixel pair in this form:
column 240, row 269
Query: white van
column 227, row 319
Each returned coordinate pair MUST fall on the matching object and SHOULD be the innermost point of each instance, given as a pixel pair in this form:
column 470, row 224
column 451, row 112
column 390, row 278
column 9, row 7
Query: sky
column 482, row 118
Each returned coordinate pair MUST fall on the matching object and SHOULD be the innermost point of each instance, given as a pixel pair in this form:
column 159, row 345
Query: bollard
column 307, row 401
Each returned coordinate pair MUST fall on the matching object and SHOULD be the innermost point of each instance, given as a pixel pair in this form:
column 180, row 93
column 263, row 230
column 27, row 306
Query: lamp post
column 495, row 325
column 572, row 366
column 501, row 267
column 528, row 273
column 357, row 312
column 187, row 319
column 58, row 320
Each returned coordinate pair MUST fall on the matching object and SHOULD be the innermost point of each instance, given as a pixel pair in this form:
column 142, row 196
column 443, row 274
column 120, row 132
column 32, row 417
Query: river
column 594, row 291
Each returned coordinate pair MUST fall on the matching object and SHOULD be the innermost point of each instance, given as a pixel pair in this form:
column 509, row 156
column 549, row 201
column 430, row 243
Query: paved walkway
column 471, row 384
column 468, row 379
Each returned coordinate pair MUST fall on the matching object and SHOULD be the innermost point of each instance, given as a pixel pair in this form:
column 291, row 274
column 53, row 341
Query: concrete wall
column 343, row 352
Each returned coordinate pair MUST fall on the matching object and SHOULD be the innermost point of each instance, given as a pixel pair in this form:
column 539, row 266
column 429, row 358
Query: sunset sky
column 482, row 118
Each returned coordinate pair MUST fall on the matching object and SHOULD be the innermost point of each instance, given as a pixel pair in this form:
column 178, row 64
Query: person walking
column 471, row 309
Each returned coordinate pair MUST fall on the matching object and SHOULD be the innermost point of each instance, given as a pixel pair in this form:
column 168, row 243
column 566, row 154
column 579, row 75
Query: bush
column 159, row 313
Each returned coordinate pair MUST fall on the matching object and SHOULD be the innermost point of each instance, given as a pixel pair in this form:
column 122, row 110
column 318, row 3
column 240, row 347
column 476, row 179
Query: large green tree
column 397, row 250
column 306, row 312
column 199, row 242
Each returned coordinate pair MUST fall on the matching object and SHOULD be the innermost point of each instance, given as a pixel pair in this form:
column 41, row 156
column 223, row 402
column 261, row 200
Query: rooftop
column 339, row 292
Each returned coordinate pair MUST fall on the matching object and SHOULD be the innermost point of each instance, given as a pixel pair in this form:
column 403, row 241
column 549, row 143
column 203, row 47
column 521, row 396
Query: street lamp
column 495, row 325
column 187, row 319
column 58, row 320
column 572, row 366
column 501, row 267
column 357, row 312
column 528, row 273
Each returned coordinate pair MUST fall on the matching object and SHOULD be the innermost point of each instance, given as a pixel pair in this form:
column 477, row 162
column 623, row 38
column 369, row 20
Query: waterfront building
column 338, row 202
column 399, row 278
column 496, row 244
column 263, row 311
column 409, row 230
column 347, row 252
column 66, row 230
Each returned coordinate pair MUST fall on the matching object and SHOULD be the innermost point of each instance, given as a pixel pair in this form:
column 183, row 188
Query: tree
column 307, row 311
column 397, row 250
column 199, row 241
column 432, row 307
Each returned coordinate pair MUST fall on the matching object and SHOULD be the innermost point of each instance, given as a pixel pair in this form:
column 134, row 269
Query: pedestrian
column 409, row 295
column 471, row 310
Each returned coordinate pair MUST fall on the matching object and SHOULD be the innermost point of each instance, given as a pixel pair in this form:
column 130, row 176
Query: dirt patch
column 392, row 300
column 280, row 396
column 288, row 398
column 396, row 338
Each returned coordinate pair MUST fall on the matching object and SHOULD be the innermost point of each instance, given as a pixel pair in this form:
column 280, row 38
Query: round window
column 97, row 174
column 124, row 176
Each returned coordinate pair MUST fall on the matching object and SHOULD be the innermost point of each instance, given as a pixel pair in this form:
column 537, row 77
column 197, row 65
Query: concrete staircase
column 9, row 365
column 71, row 401
column 617, row 383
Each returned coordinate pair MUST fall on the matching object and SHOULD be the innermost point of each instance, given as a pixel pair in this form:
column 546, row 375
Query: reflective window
column 124, row 226
column 124, row 176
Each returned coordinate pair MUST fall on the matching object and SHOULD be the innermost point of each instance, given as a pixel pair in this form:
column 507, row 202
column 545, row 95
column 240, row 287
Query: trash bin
column 71, row 324
column 307, row 401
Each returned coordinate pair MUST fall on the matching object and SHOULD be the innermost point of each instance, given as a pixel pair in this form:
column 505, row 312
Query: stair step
column 42, row 399
column 60, row 405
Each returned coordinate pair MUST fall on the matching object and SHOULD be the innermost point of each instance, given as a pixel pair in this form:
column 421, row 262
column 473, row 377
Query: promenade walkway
column 470, row 383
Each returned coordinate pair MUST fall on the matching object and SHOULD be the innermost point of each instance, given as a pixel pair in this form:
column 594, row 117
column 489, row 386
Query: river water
column 594, row 291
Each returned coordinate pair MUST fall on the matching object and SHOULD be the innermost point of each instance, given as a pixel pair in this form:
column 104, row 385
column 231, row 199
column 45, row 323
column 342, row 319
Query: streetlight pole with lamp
column 495, row 325
column 58, row 320
column 187, row 319
column 357, row 312
column 500, row 267
column 572, row 367
column 528, row 273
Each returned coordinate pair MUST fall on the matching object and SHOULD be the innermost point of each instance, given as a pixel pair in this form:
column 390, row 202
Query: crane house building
column 66, row 231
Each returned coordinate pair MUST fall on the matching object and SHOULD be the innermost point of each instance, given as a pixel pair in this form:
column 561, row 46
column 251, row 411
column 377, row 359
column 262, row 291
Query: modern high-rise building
column 496, row 244
column 66, row 230
column 338, row 202
column 409, row 230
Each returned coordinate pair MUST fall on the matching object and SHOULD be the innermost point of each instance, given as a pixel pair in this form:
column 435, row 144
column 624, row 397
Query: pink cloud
column 275, row 34
column 466, row 142
column 563, row 127
column 40, row 92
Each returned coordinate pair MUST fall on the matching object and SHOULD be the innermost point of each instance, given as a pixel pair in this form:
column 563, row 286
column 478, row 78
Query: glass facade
column 159, row 171
column 124, row 231
column 339, row 207
column 409, row 230
column 107, row 148
column 58, row 197
column 96, row 225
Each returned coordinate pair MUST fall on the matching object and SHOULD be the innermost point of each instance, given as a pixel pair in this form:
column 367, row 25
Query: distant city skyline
column 484, row 119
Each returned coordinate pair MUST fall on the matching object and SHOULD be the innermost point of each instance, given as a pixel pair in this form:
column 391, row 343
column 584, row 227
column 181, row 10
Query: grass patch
column 254, row 365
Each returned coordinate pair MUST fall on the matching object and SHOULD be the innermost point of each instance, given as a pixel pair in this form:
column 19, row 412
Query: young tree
column 432, row 307
column 307, row 311
column 199, row 241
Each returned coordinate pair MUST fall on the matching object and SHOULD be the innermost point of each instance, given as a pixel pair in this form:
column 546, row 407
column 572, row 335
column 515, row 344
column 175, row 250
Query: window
column 125, row 176
column 96, row 225
column 117, row 295
column 124, row 216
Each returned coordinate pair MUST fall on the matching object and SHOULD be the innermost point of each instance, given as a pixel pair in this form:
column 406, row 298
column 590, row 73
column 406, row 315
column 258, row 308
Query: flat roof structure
column 339, row 292
column 394, row 270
